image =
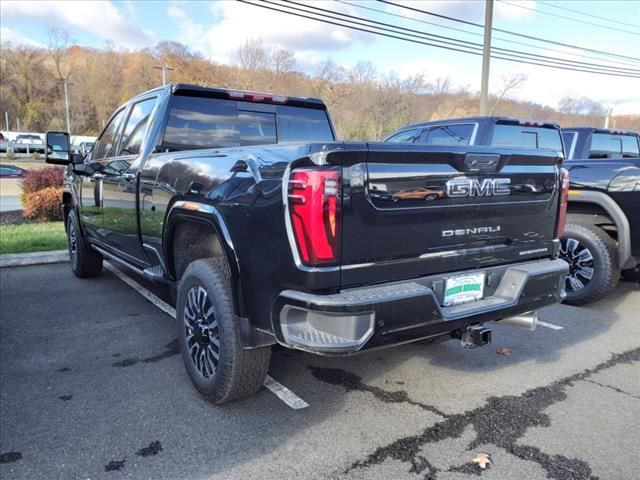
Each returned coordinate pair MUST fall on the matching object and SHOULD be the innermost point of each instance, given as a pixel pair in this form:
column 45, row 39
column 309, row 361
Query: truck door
column 91, row 184
column 120, row 185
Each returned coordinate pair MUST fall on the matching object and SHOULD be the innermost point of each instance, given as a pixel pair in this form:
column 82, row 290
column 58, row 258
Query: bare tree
column 58, row 46
column 510, row 83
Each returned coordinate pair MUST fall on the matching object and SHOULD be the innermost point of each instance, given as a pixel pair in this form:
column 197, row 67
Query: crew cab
column 602, row 236
column 271, row 231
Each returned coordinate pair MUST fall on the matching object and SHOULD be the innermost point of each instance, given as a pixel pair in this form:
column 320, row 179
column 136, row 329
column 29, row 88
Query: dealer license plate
column 463, row 289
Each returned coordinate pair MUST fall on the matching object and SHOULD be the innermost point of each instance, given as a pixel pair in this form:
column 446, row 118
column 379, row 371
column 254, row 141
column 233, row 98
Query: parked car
column 83, row 148
column 264, row 226
column 602, row 236
column 11, row 171
column 27, row 143
column 3, row 143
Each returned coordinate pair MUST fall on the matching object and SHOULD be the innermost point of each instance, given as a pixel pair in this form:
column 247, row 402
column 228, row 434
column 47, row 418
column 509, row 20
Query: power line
column 478, row 34
column 584, row 22
column 549, row 4
column 460, row 48
column 530, row 37
column 456, row 42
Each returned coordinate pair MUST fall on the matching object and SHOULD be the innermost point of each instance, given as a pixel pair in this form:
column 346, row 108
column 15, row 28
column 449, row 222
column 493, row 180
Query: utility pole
column 18, row 122
column 164, row 69
column 607, row 118
column 6, row 120
column 486, row 57
column 66, row 104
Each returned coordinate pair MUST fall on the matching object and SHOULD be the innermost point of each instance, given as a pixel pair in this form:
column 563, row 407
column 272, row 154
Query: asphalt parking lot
column 92, row 387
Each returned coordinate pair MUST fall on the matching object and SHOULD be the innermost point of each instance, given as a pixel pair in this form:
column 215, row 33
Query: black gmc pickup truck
column 602, row 236
column 272, row 231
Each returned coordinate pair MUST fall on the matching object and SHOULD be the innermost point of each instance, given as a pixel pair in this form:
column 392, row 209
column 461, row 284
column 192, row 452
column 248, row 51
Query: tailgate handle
column 476, row 162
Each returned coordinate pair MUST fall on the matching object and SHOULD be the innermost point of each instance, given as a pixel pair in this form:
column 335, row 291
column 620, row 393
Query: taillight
column 314, row 204
column 564, row 201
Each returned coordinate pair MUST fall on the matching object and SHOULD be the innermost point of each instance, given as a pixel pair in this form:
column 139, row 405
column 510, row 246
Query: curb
column 34, row 258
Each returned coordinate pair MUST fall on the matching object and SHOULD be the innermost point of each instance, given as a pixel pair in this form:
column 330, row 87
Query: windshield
column 196, row 122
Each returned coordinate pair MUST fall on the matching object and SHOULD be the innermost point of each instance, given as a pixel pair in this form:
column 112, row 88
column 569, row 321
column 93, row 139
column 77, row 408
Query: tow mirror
column 57, row 149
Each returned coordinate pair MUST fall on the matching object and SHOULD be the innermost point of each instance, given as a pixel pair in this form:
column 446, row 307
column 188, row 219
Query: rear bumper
column 400, row 312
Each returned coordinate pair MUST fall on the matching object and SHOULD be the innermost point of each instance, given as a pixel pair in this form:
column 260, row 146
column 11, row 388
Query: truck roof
column 479, row 118
column 611, row 131
column 238, row 95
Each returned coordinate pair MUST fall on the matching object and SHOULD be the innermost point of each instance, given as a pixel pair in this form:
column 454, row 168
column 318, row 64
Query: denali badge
column 460, row 232
column 467, row 187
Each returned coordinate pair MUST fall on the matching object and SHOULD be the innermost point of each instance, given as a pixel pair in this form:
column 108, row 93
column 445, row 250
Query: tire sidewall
column 602, row 263
column 73, row 229
column 197, row 276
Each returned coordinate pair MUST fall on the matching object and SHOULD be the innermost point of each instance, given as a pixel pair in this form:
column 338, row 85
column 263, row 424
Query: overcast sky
column 216, row 29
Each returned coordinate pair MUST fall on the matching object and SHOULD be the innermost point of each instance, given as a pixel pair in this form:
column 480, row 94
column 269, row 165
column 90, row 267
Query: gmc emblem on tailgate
column 465, row 187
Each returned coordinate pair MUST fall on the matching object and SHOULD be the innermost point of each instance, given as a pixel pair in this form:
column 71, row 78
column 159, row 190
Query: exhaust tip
column 528, row 321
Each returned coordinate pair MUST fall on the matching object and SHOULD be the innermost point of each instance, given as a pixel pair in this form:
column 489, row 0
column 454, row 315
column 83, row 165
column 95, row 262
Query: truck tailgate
column 413, row 210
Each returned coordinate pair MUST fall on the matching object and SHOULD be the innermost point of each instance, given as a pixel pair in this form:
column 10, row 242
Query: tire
column 593, row 263
column 208, row 332
column 85, row 261
column 632, row 274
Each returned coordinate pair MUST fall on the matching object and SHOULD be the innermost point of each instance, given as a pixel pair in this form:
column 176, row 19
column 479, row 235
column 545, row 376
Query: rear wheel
column 209, row 335
column 85, row 261
column 593, row 263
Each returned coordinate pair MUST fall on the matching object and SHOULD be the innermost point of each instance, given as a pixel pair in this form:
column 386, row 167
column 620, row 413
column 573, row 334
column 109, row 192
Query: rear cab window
column 201, row 122
column 526, row 136
column 606, row 145
column 450, row 135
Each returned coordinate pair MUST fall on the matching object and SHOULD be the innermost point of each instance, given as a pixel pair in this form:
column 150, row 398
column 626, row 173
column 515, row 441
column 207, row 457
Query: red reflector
column 314, row 201
column 564, row 202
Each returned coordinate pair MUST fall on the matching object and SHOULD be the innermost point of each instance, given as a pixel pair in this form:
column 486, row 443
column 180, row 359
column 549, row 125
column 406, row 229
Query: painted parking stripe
column 162, row 305
column 279, row 390
column 284, row 394
column 550, row 325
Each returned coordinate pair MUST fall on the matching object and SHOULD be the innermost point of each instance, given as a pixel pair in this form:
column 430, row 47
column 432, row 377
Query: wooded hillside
column 363, row 103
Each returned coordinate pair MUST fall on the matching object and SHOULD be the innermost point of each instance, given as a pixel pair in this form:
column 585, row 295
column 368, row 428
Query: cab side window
column 105, row 146
column 136, row 127
column 408, row 136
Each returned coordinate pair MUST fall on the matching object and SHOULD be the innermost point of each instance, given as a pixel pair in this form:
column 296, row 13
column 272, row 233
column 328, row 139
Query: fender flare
column 625, row 259
column 206, row 213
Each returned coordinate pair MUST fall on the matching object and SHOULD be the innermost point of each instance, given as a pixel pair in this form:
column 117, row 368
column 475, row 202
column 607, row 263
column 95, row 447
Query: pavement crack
column 615, row 389
column 350, row 382
column 502, row 421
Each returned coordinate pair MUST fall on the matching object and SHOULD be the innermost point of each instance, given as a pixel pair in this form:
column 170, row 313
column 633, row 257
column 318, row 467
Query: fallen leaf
column 482, row 460
column 504, row 351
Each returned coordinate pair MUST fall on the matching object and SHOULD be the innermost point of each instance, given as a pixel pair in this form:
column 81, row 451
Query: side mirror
column 57, row 149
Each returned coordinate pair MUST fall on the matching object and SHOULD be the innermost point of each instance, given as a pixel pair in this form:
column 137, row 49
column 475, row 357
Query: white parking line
column 161, row 304
column 284, row 394
column 550, row 325
column 279, row 390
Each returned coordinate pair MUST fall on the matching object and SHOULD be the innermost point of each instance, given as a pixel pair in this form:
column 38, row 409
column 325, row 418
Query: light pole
column 164, row 69
column 486, row 57
column 66, row 104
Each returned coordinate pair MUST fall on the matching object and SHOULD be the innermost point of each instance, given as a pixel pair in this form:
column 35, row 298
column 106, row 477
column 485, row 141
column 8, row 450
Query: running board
column 155, row 273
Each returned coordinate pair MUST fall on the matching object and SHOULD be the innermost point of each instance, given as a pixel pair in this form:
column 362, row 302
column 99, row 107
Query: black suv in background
column 602, row 235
